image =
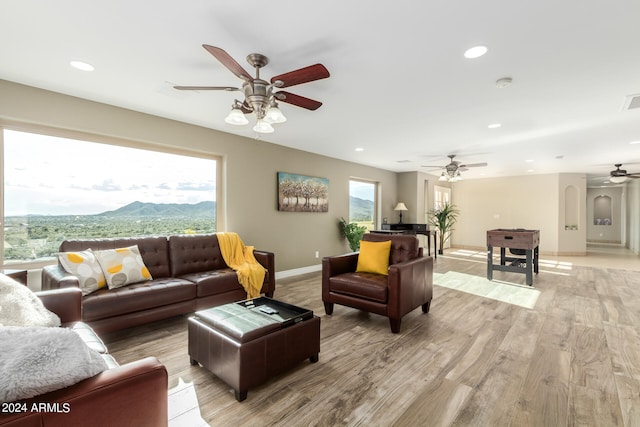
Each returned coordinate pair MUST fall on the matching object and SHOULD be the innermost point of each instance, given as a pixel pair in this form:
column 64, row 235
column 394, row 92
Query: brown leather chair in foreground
column 408, row 285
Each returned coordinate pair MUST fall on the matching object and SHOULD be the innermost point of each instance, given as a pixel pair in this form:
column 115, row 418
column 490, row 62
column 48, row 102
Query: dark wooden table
column 427, row 233
column 518, row 241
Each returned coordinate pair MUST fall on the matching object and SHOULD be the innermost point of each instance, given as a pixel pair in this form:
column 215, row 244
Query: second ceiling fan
column 452, row 170
column 260, row 98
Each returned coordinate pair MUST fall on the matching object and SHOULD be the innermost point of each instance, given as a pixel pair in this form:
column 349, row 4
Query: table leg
column 502, row 256
column 489, row 262
column 529, row 267
column 535, row 260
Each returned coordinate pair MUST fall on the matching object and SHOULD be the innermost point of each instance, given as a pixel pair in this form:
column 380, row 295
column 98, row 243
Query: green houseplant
column 444, row 219
column 353, row 232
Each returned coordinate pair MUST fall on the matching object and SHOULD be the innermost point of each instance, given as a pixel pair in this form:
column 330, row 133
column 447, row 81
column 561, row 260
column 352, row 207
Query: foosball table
column 520, row 242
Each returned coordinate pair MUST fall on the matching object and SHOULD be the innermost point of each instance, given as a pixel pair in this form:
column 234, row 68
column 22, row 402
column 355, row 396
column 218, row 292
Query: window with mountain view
column 59, row 188
column 362, row 203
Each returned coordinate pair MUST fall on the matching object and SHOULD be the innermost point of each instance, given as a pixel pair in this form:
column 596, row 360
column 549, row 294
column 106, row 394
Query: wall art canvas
column 301, row 193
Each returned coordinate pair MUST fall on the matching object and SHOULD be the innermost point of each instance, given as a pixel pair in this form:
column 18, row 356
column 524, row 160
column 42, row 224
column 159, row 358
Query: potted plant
column 443, row 219
column 353, row 232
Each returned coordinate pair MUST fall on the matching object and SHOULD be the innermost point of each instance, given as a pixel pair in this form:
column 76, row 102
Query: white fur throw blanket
column 37, row 360
column 19, row 306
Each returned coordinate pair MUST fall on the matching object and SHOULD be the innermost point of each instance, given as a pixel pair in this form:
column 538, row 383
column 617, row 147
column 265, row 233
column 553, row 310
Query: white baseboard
column 298, row 271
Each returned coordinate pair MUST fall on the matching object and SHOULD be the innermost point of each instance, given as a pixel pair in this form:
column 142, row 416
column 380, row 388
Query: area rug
column 512, row 293
column 184, row 410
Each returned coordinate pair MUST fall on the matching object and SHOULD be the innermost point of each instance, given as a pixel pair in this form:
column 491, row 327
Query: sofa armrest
column 268, row 261
column 133, row 394
column 410, row 284
column 55, row 277
column 65, row 302
column 334, row 265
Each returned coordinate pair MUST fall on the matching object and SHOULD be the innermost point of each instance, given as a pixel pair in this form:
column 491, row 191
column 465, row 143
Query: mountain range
column 138, row 209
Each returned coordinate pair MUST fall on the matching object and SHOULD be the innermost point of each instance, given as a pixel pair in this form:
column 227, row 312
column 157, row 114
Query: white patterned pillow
column 84, row 265
column 122, row 266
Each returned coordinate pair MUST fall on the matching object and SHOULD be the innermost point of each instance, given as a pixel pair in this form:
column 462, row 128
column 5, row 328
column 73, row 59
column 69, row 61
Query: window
column 59, row 188
column 362, row 203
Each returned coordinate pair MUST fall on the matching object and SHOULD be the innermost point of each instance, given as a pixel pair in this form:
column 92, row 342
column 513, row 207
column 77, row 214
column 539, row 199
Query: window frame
column 100, row 139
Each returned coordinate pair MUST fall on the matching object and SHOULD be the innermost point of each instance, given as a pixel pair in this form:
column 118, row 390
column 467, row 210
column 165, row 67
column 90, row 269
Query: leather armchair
column 408, row 285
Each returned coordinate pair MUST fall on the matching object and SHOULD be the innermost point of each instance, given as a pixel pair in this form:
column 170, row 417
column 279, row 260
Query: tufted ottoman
column 248, row 342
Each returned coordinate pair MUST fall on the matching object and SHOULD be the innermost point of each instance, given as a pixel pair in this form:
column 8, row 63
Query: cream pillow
column 122, row 266
column 84, row 265
column 374, row 257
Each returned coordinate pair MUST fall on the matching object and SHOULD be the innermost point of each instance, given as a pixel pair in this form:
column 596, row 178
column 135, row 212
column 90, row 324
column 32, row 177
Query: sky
column 57, row 176
column 362, row 190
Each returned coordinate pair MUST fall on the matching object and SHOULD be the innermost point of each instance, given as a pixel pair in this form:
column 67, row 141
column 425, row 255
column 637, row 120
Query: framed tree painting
column 302, row 193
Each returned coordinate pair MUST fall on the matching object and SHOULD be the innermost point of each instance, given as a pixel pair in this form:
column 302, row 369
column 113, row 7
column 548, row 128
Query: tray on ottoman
column 247, row 342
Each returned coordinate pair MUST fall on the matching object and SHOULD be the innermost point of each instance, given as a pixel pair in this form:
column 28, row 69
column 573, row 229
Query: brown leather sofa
column 408, row 286
column 134, row 394
column 188, row 273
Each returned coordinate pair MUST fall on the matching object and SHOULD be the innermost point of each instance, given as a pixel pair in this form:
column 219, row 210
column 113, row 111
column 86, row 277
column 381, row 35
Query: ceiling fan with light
column 259, row 95
column 619, row 176
column 452, row 171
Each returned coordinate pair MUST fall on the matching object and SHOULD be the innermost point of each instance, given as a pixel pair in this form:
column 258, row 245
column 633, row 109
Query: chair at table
column 353, row 281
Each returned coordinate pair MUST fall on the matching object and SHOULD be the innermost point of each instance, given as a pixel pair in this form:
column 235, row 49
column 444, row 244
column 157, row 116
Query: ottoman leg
column 240, row 395
column 314, row 358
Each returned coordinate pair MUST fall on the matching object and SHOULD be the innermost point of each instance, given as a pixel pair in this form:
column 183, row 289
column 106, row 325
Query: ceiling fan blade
column 206, row 88
column 432, row 166
column 228, row 62
column 297, row 100
column 302, row 75
column 473, row 165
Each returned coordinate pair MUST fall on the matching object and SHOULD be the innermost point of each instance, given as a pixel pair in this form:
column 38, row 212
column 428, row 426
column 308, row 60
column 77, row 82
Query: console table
column 412, row 229
column 519, row 242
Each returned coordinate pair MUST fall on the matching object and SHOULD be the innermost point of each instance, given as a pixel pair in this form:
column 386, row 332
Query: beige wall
column 250, row 167
column 633, row 215
column 529, row 202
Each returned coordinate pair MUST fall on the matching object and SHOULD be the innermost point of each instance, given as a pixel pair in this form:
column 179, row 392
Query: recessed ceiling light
column 475, row 52
column 494, row 126
column 634, row 142
column 83, row 66
column 359, row 149
column 531, row 170
column 529, row 160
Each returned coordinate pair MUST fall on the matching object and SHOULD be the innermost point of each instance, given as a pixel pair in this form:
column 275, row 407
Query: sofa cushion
column 194, row 254
column 90, row 338
column 122, row 266
column 107, row 303
column 37, row 360
column 85, row 266
column 19, row 306
column 370, row 286
column 374, row 257
column 214, row 282
column 154, row 250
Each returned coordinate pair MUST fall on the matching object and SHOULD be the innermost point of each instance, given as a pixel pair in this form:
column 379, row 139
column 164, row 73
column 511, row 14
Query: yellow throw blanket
column 240, row 258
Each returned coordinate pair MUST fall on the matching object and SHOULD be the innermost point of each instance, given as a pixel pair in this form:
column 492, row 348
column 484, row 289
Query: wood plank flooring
column 572, row 360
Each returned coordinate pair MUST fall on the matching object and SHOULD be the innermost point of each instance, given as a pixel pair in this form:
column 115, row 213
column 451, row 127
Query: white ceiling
column 400, row 87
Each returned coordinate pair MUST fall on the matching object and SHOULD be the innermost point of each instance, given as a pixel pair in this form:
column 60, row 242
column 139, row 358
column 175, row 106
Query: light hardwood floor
column 572, row 360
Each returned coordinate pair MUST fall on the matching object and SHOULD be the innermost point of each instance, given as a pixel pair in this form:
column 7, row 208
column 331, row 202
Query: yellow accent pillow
column 374, row 257
column 84, row 265
column 122, row 266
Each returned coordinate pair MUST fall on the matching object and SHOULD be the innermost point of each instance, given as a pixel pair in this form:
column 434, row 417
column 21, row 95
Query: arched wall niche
column 602, row 212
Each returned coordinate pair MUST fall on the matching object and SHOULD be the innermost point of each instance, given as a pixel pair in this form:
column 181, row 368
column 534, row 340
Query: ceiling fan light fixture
column 618, row 179
column 236, row 117
column 443, row 177
column 263, row 127
column 274, row 115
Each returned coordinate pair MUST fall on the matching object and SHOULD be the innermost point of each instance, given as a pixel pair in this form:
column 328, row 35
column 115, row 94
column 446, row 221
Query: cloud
column 107, row 185
column 196, row 186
